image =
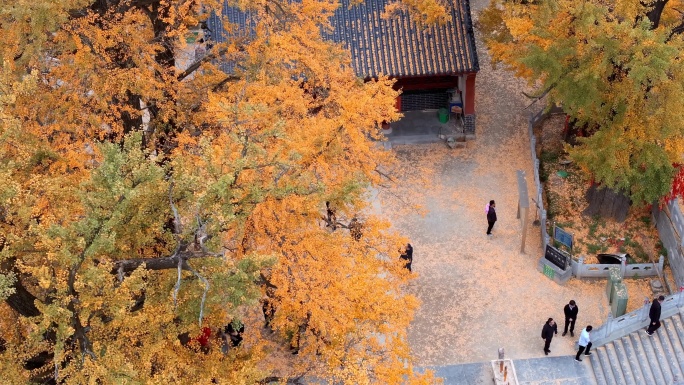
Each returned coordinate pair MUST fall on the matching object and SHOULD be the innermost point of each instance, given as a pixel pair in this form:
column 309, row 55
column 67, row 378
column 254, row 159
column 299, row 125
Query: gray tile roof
column 398, row 47
column 395, row 46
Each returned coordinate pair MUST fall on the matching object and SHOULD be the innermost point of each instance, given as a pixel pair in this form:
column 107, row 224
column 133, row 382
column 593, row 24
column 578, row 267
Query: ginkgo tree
column 144, row 205
column 615, row 66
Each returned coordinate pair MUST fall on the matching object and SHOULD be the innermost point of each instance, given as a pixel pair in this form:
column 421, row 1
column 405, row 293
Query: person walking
column 584, row 343
column 570, row 311
column 550, row 328
column 407, row 256
column 491, row 216
column 654, row 315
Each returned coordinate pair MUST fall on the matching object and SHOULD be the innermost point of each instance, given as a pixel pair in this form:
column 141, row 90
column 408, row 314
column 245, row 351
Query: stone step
column 625, row 364
column 669, row 352
column 661, row 355
column 606, row 365
column 474, row 373
column 587, row 363
column 678, row 320
column 640, row 354
column 634, row 359
column 553, row 370
column 673, row 327
column 538, row 371
column 597, row 368
column 651, row 359
column 414, row 139
column 615, row 366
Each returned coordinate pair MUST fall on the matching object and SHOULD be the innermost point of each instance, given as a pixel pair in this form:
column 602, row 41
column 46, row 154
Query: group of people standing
column 571, row 310
column 550, row 329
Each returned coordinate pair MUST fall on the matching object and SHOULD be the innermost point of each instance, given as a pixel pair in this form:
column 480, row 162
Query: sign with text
column 563, row 237
column 557, row 257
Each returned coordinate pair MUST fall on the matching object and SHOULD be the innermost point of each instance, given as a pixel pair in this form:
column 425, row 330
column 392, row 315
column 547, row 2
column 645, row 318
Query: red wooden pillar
column 469, row 105
column 397, row 104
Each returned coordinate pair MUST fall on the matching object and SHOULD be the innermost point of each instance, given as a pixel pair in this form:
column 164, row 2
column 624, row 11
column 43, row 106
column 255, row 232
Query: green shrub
column 593, row 248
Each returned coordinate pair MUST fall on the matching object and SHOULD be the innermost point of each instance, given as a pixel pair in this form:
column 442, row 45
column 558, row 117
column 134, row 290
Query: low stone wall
column 538, row 194
column 632, row 270
column 670, row 223
column 621, row 326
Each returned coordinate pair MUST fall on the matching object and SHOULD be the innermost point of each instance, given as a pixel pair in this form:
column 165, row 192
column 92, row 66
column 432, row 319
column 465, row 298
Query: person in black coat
column 570, row 311
column 550, row 328
column 407, row 256
column 654, row 315
column 234, row 332
column 491, row 216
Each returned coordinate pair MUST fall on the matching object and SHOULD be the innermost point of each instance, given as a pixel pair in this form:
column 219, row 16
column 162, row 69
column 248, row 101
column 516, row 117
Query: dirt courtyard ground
column 479, row 294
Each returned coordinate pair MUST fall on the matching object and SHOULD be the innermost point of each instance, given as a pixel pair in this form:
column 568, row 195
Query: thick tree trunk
column 607, row 203
column 22, row 301
column 655, row 13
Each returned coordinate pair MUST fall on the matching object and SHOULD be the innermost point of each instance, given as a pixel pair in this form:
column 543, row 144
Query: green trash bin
column 618, row 305
column 614, row 276
column 443, row 114
column 191, row 37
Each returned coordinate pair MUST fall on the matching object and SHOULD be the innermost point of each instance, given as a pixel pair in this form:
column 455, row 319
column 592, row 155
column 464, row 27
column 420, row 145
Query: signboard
column 556, row 257
column 563, row 237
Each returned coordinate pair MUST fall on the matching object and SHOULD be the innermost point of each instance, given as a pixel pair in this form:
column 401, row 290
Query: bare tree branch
column 384, row 175
column 176, row 287
column 540, row 96
column 176, row 234
column 676, row 31
column 176, row 218
column 204, row 295
column 198, row 63
column 279, row 380
column 162, row 263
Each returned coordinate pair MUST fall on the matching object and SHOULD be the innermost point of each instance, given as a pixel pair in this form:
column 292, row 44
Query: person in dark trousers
column 491, row 216
column 584, row 343
column 331, row 217
column 407, row 256
column 570, row 311
column 654, row 315
column 234, row 331
column 268, row 307
column 550, row 328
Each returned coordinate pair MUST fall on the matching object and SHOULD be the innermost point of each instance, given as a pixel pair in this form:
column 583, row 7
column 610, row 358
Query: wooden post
column 523, row 206
column 469, row 102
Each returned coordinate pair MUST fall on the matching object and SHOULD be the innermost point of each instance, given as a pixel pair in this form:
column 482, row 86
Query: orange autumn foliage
column 144, row 201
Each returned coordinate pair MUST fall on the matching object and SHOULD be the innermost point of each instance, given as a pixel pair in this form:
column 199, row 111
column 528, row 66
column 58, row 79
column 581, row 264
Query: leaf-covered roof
column 395, row 45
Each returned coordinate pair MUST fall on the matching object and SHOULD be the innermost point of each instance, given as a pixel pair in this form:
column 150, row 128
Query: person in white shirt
column 584, row 343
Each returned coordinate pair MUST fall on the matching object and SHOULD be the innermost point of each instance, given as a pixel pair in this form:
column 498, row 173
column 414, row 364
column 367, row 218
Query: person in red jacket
column 203, row 339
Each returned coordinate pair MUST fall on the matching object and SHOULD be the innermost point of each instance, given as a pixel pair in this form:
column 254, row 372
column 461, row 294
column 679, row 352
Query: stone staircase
column 623, row 355
column 637, row 359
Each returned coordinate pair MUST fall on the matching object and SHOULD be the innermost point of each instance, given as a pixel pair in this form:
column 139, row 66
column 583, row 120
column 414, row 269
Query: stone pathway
column 479, row 294
column 531, row 371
